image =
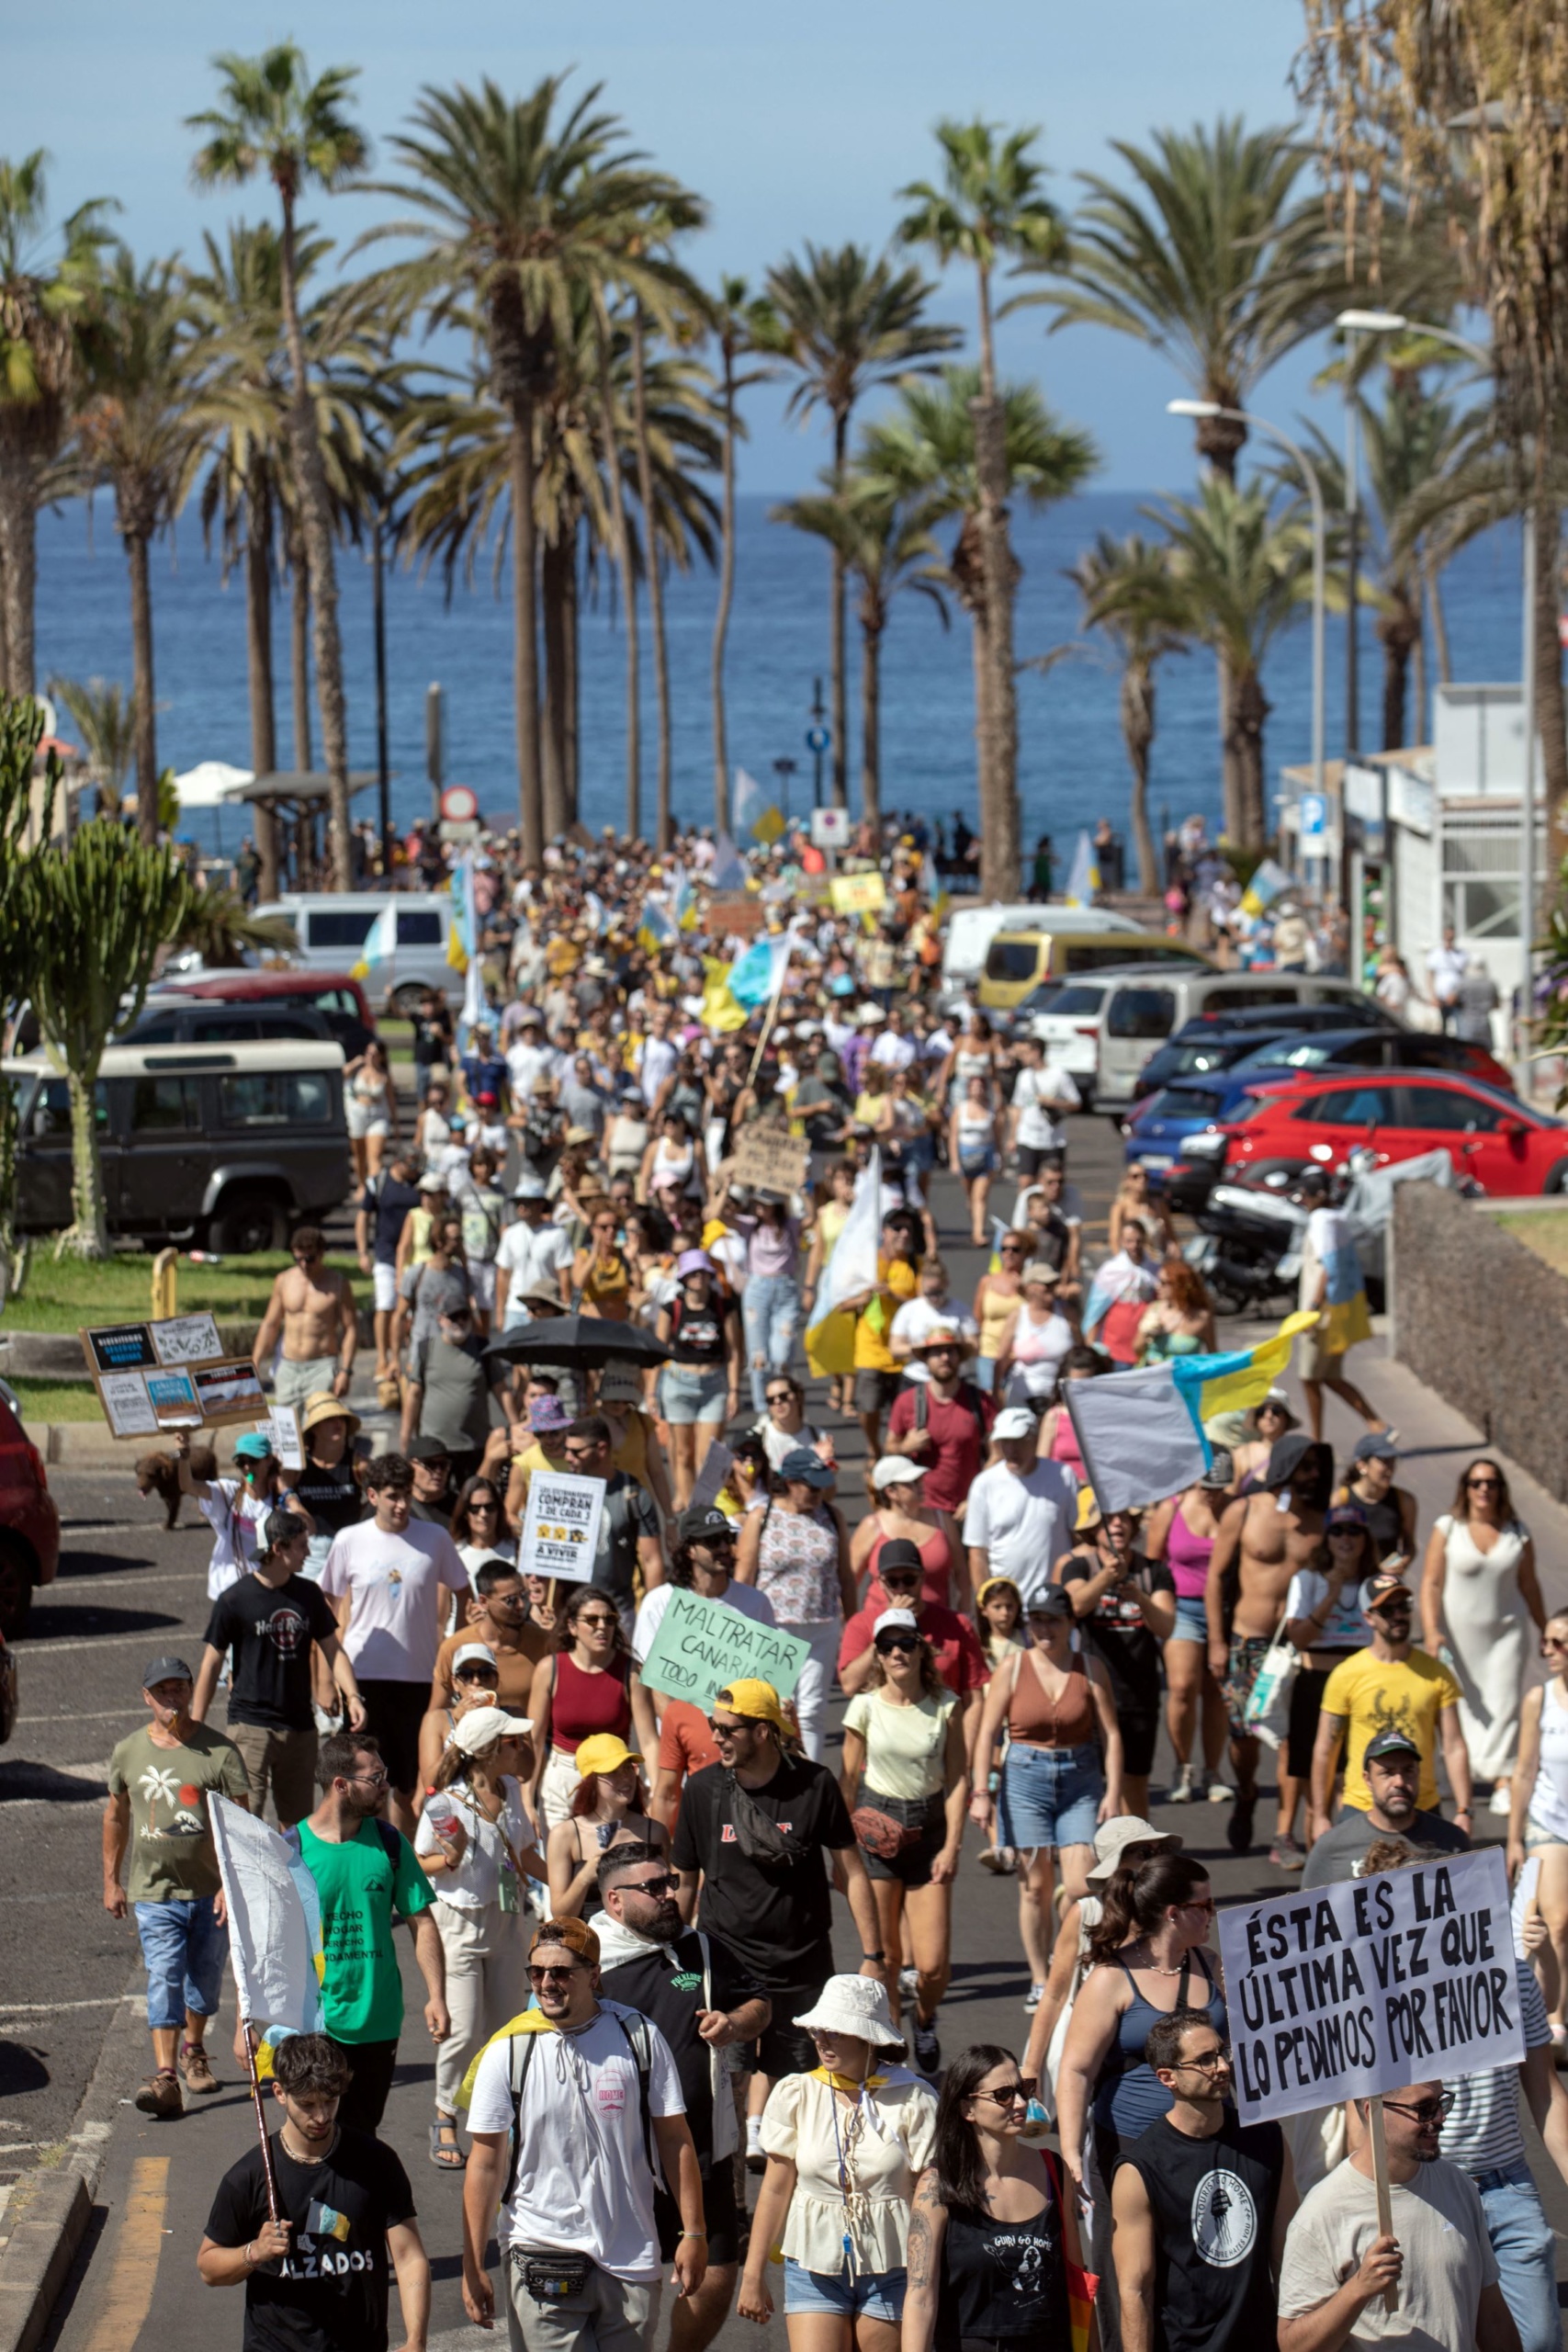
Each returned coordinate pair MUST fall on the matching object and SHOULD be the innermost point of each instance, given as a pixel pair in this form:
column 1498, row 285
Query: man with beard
column 1264, row 1539
column 702, row 1999
column 1390, row 1686
column 1391, row 1765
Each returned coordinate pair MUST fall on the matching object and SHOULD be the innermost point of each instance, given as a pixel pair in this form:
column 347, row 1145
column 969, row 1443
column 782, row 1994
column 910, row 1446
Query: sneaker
column 756, row 2157
column 1218, row 1792
column 908, row 1983
column 1286, row 1855
column 160, row 2094
column 1181, row 1792
column 928, row 2048
column 1238, row 1830
column 1033, row 1997
column 198, row 2075
column 1499, row 1800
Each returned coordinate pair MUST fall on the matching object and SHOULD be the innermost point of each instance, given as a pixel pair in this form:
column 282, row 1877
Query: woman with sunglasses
column 609, row 1809
column 784, row 1425
column 600, row 1275
column 477, row 1847
column 996, row 1295
column 1269, row 1420
column 1035, row 1341
column 473, row 1681
column 479, row 1525
column 589, row 1685
column 991, row 2236
column 1479, row 1590
column 904, row 1784
column 1538, row 1817
column 1134, row 1200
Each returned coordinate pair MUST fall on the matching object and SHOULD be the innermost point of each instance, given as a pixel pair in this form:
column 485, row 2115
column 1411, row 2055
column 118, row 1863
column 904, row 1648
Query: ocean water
column 1072, row 765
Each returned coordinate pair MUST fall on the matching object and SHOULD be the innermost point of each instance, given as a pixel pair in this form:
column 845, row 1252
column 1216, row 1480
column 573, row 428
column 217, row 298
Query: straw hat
column 321, row 1406
column 853, row 2005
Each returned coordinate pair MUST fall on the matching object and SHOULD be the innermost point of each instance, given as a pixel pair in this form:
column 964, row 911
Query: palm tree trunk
column 622, row 553
column 981, row 652
column 144, row 707
column 1552, row 717
column 315, row 512
column 553, row 747
column 1419, row 658
column 1138, row 734
column 1002, row 851
column 665, row 819
column 871, row 720
column 725, row 598
column 1434, row 580
column 573, row 732
column 1401, row 634
column 19, row 570
column 1249, row 710
column 526, row 630
column 300, row 650
column 838, row 690
column 258, row 667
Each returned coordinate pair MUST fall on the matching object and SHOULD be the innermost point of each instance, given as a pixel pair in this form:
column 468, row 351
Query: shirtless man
column 1268, row 1534
column 314, row 1311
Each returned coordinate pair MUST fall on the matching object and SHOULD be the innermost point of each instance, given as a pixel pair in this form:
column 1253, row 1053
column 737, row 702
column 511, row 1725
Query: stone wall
column 1483, row 1321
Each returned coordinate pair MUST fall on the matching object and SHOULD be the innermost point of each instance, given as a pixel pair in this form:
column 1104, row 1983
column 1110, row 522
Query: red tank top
column 582, row 1703
column 937, row 1562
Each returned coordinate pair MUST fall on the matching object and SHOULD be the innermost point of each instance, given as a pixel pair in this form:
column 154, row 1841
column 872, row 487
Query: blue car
column 1161, row 1123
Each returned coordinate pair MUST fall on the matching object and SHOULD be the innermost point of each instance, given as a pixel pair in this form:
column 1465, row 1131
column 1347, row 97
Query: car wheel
column 16, row 1592
column 250, row 1222
column 405, row 1001
column 1557, row 1178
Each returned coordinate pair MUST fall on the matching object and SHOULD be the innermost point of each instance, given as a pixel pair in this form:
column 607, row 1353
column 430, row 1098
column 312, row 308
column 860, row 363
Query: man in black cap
column 160, row 1779
column 1393, row 1767
column 430, row 1462
column 702, row 1563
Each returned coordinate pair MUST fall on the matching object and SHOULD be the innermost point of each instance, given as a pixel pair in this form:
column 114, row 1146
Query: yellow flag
column 720, row 1009
column 1238, row 1392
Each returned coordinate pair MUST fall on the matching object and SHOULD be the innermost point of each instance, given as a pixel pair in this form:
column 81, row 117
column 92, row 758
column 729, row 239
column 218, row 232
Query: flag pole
column 1380, row 2183
column 271, row 2205
column 774, row 1000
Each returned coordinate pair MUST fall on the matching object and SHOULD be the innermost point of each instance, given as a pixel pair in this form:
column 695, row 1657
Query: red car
column 1502, row 1143
column 29, row 1524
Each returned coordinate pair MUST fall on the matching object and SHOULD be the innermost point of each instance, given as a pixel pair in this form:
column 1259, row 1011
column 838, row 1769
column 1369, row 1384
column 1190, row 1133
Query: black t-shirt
column 697, row 1333
column 1117, row 1634
column 666, row 1985
column 333, row 1498
column 432, row 1037
column 777, row 1921
column 1212, row 2202
column 270, row 1628
column 388, row 1203
column 330, row 2292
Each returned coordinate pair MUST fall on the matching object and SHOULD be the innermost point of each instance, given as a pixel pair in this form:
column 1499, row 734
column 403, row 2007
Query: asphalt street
column 127, row 1585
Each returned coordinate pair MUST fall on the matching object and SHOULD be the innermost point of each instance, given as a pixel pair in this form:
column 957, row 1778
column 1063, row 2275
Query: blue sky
column 796, row 122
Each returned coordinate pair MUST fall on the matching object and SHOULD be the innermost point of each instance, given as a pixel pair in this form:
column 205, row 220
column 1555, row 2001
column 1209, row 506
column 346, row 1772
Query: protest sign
column 769, row 1161
column 702, row 1647
column 1348, row 1991
column 274, row 1927
column 229, row 1391
column 168, row 1374
column 717, row 1463
column 118, row 1347
column 127, row 1409
column 281, row 1431
column 174, row 1399
column 560, row 1526
column 858, row 894
column 185, row 1339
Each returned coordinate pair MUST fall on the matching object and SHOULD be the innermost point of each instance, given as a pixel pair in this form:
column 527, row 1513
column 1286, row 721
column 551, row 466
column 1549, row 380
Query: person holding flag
column 1332, row 1283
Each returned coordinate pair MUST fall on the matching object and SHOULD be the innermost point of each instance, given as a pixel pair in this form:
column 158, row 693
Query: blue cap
column 808, row 1468
column 255, row 1446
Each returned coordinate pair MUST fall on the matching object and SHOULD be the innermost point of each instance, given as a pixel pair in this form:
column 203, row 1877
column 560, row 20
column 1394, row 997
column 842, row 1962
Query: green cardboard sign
column 702, row 1647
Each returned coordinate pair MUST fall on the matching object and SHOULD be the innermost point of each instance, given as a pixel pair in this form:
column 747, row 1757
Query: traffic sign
column 459, row 803
column 818, row 739
column 829, row 828
column 1312, row 819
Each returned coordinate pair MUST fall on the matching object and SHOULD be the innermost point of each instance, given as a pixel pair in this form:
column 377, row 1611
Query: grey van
column 222, row 1146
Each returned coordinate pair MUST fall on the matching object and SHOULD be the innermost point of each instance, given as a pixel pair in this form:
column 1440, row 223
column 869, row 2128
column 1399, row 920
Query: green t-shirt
column 172, row 1858
column 362, row 1990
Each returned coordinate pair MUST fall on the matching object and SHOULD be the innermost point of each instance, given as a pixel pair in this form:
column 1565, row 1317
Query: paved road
column 126, row 1583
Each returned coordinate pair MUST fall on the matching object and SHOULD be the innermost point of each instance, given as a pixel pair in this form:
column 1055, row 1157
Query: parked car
column 1218, row 1037
column 30, row 1538
column 971, row 929
column 331, row 926
column 1502, row 1144
column 338, row 997
column 226, row 1147
column 1018, row 962
column 164, row 1020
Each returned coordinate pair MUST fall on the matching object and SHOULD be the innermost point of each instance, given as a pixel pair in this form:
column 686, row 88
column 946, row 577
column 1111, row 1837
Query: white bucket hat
column 482, row 1726
column 855, row 2005
column 1112, row 1838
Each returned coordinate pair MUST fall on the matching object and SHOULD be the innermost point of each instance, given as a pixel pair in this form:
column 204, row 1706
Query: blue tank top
column 1129, row 2095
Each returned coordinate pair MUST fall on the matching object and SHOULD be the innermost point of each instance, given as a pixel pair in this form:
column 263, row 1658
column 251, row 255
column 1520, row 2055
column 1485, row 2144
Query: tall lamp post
column 1319, row 547
column 1395, row 323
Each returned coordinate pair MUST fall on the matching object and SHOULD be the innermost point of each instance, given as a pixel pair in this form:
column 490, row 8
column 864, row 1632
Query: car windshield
column 1075, row 1002
column 1306, row 1053
column 1185, row 1102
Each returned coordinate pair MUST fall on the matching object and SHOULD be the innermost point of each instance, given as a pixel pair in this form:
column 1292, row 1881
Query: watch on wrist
column 878, row 1956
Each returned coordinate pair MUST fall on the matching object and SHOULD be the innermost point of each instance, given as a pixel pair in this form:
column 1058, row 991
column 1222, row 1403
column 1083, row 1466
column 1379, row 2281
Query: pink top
column 1064, row 1446
column 1187, row 1556
column 936, row 1583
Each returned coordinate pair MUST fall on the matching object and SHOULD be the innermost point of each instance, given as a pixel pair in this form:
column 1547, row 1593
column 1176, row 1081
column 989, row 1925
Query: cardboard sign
column 702, row 1647
column 168, row 1374
column 127, row 1409
column 560, row 1527
column 281, row 1431
column 185, row 1339
column 769, row 1161
column 1346, row 1992
column 229, row 1391
column 119, row 1347
column 858, row 894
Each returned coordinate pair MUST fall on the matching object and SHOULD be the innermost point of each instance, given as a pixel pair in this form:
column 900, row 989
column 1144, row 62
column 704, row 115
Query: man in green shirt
column 160, row 1780
column 365, row 1871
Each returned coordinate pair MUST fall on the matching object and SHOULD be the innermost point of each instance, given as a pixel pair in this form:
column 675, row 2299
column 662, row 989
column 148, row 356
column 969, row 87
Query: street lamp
column 1319, row 547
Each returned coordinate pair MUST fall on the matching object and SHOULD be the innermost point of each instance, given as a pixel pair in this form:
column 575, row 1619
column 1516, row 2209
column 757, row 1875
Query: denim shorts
column 879, row 2294
column 1191, row 1620
column 185, row 1950
column 690, row 1392
column 1535, row 1836
column 1050, row 1796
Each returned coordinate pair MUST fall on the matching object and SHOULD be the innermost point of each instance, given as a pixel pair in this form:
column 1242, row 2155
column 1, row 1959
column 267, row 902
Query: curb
column 50, row 2208
column 88, row 1446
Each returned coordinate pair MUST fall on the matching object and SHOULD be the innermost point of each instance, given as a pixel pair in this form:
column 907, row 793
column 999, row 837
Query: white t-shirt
column 892, row 1052
column 524, row 1065
column 1440, row 2226
column 916, row 1319
column 1022, row 1525
column 1447, row 966
column 1037, row 1096
column 398, row 1619
column 533, row 1257
column 583, row 2183
column 744, row 1599
column 475, row 1884
column 656, row 1057
column 1345, row 1627
column 233, row 1515
column 474, row 1555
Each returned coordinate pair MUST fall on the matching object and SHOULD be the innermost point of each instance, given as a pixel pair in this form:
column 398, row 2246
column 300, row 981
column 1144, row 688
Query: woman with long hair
column 992, row 2235
column 1324, row 1618
column 797, row 1550
column 600, row 1273
column 905, row 1783
column 974, row 1054
column 588, row 1685
column 1036, row 1341
column 1060, row 1720
column 901, row 1513
column 784, row 1425
column 476, row 1844
column 996, row 1295
column 1538, row 1817
column 699, row 1388
column 1181, row 1320
column 479, row 1524
column 609, row 1808
column 1181, row 1532
column 371, row 1106
column 1479, row 1593
column 1134, row 1198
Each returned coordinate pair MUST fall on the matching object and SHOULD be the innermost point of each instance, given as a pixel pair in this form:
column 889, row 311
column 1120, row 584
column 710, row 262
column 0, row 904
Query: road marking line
column 99, row 1641
column 104, row 1715
column 48, row 2008
column 127, row 2296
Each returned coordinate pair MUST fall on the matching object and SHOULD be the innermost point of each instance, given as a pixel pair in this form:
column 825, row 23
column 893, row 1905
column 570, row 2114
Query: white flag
column 274, row 1921
column 852, row 1267
column 727, row 871
column 1084, row 880
column 1138, row 1434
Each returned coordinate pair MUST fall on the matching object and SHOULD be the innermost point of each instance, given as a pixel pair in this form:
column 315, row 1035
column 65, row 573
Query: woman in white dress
column 1538, row 1819
column 1479, row 1589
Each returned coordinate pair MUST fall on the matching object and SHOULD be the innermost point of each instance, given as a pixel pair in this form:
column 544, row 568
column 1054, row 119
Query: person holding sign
column 703, row 1563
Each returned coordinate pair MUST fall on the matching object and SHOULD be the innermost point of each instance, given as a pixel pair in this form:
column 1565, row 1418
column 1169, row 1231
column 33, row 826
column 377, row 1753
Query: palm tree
column 136, row 432
column 989, row 207
column 274, row 119
column 849, row 323
column 1128, row 591
column 514, row 212
column 742, row 323
column 1242, row 574
column 42, row 308
column 104, row 716
column 885, row 541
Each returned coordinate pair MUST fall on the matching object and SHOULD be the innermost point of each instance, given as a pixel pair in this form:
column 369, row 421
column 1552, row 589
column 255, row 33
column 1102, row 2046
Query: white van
column 330, row 927
column 1103, row 1026
column 970, row 930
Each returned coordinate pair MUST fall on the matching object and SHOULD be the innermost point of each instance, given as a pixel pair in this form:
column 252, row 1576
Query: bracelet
column 253, row 2261
column 877, row 1956
column 696, row 2233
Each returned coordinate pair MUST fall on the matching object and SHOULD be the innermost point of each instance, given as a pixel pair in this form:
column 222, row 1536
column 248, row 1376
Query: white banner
column 1346, row 1991
column 274, row 1921
column 1137, row 1436
column 560, row 1526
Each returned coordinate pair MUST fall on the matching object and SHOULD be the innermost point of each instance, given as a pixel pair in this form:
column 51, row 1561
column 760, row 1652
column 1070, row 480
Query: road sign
column 458, row 828
column 829, row 828
column 1311, row 820
column 818, row 739
column 459, row 803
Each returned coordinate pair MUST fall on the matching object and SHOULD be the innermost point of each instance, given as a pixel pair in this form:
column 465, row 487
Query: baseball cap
column 167, row 1668
column 604, row 1751
column 808, row 1468
column 530, row 1188
column 1053, row 1603
column 1346, row 1515
column 704, row 1525
column 1014, row 1420
column 253, row 1447
column 473, row 1654
column 901, row 1621
column 576, row 1935
column 1391, row 1742
column 427, row 1449
column 899, row 1554
column 897, row 1470
column 482, row 1726
column 754, row 1698
column 1378, row 1592
column 1376, row 1446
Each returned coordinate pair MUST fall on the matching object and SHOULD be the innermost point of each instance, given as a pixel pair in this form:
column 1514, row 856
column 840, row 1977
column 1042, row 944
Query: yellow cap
column 755, row 1699
column 1089, row 1511
column 603, row 1752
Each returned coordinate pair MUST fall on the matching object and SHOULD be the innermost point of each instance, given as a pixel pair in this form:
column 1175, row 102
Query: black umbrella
column 581, row 1340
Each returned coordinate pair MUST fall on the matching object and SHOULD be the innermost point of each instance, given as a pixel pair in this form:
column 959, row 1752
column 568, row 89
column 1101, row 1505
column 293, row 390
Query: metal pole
column 1522, row 1070
column 383, row 764
column 1352, row 551
column 817, row 714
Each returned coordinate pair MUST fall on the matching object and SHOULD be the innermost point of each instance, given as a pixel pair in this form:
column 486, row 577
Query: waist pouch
column 552, row 2278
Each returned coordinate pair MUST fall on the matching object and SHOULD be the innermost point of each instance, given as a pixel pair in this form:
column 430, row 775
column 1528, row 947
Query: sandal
column 445, row 2155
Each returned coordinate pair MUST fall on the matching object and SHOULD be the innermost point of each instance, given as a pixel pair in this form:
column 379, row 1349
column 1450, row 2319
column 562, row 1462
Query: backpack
column 968, row 1395
column 637, row 2032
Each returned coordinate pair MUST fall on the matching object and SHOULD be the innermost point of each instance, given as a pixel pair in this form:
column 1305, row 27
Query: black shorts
column 786, row 2048
column 721, row 2218
column 365, row 2102
column 874, row 1392
column 913, row 1866
column 393, row 1713
column 1033, row 1158
column 1140, row 1729
column 1306, row 1705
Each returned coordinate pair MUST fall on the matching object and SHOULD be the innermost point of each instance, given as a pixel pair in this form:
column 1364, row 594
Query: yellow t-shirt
column 871, row 1326
column 1390, row 1694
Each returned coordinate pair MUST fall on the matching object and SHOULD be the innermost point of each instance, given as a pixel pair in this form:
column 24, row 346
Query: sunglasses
column 580, row 1453
column 1426, row 2110
column 661, row 1884
column 782, row 1396
column 477, row 1674
column 1206, row 1905
column 369, row 1780
column 596, row 1624
column 478, row 1505
column 887, row 1643
column 552, row 1975
column 1344, row 1535
column 726, row 1731
column 1478, row 1482
column 1551, row 1641
column 1013, row 2094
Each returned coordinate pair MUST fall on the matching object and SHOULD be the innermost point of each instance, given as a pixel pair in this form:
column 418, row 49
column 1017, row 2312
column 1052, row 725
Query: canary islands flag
column 380, row 942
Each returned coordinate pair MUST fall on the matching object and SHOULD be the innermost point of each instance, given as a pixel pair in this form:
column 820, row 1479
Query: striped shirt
column 1482, row 2131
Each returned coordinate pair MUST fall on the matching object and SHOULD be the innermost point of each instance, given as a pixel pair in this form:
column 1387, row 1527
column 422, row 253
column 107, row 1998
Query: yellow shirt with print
column 900, row 1281
column 1377, row 1694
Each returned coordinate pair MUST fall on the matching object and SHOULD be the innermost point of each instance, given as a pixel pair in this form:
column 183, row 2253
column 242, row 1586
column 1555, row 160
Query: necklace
column 308, row 2157
column 1154, row 1967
